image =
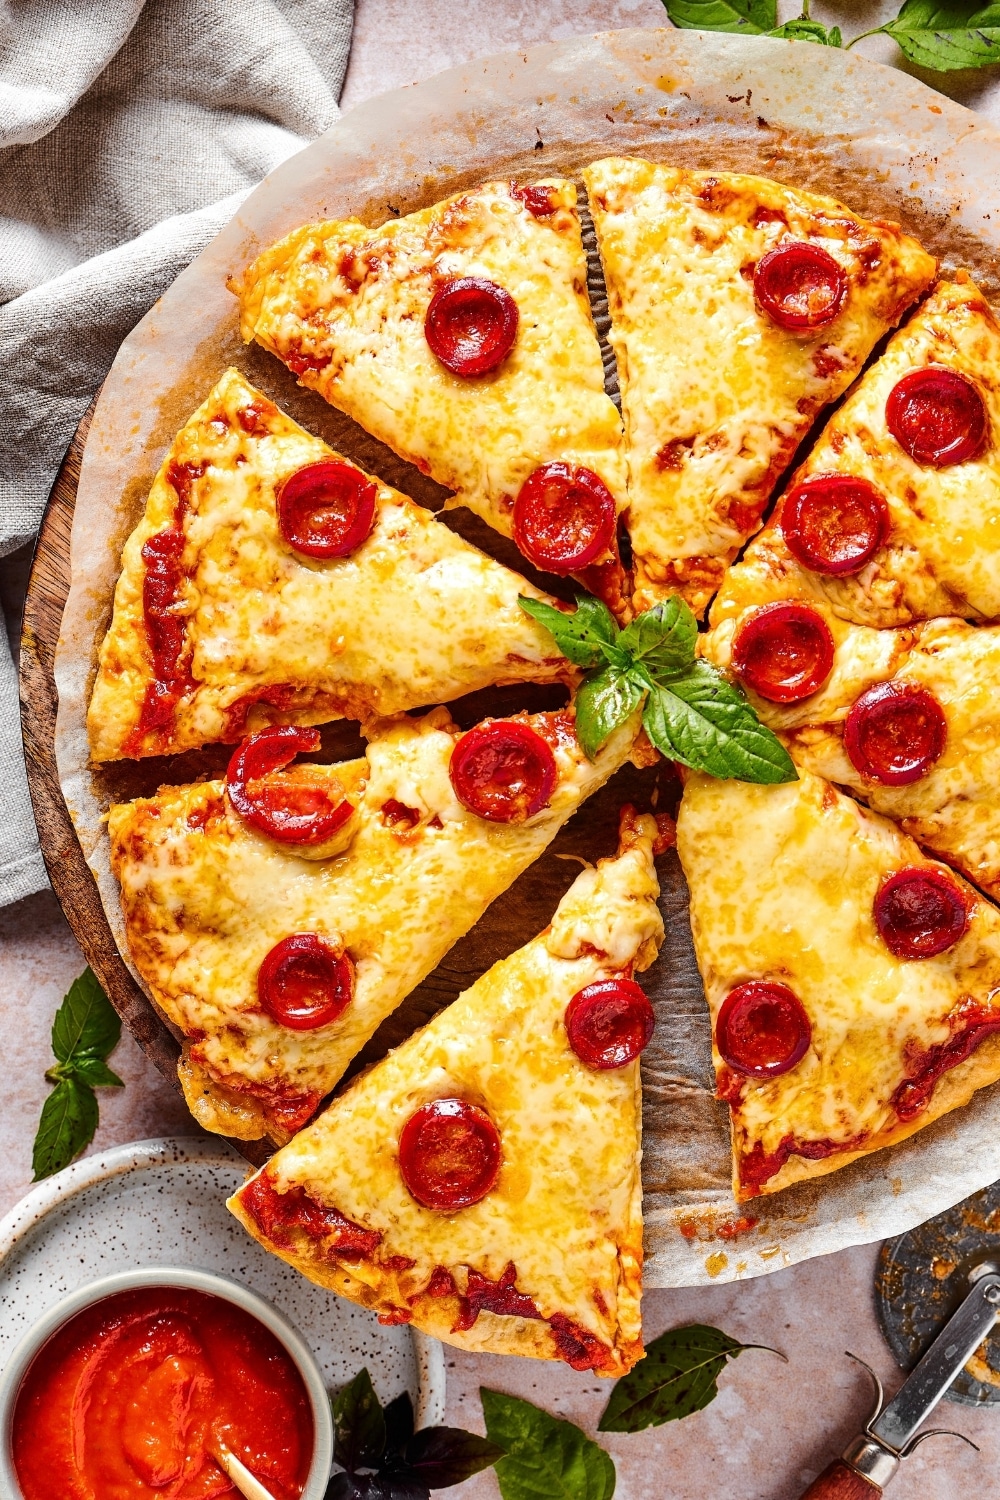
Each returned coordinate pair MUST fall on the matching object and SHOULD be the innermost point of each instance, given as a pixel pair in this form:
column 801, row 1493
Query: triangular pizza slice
column 482, row 1182
column 853, row 984
column 895, row 514
column 278, row 916
column 272, row 581
column 462, row 337
column 739, row 308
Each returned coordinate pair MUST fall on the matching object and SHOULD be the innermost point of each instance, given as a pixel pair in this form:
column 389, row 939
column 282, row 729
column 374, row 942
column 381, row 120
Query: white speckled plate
column 162, row 1202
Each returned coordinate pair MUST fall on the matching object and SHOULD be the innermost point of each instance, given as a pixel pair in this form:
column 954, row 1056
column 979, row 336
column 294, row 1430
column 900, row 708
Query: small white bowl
column 199, row 1281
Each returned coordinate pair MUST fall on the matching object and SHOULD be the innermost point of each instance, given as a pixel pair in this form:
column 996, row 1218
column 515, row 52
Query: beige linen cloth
column 129, row 133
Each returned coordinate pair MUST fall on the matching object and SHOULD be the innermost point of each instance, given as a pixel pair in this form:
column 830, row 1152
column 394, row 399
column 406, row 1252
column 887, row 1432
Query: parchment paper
column 806, row 115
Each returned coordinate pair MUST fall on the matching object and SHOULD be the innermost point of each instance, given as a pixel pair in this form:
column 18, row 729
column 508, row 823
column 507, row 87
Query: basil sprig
column 85, row 1031
column 692, row 713
column 546, row 1458
column 678, row 1376
column 939, row 36
column 381, row 1456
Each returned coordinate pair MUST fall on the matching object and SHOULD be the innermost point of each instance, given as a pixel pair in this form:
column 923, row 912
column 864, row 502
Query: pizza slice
column 482, row 1182
column 462, row 337
column 905, row 719
column 278, row 916
column 853, row 984
column 895, row 514
column 272, row 581
column 739, row 308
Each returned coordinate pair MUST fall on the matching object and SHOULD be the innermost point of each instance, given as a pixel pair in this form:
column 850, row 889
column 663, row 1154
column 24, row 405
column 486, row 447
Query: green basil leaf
column 546, row 1458
column 86, row 1021
column 678, row 1376
column 603, row 702
column 360, row 1425
column 751, row 16
column 442, row 1456
column 68, row 1122
column 663, row 638
column 949, row 35
column 706, row 723
column 94, row 1071
column 802, row 29
column 583, row 636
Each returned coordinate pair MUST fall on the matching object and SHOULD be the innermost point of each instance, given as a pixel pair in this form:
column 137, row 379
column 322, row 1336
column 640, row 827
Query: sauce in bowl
column 120, row 1403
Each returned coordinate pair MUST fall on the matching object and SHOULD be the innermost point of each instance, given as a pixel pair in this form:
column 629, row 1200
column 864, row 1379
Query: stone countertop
column 773, row 1425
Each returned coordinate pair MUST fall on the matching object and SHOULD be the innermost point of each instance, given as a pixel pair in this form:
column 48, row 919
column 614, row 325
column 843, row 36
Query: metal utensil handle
column 839, row 1482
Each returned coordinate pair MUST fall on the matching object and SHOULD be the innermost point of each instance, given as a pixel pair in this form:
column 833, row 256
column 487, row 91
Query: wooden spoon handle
column 248, row 1484
column 839, row 1482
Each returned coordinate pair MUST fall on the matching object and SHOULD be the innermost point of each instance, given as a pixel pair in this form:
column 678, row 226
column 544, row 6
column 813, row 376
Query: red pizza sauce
column 120, row 1402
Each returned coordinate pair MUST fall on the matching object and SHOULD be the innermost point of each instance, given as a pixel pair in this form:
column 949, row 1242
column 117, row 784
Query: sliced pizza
column 895, row 514
column 462, row 337
column 906, row 718
column 853, row 984
column 272, row 581
column 277, row 917
column 482, row 1182
column 739, row 308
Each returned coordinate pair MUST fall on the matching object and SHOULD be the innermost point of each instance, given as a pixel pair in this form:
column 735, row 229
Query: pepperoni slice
column 564, row 518
column 449, row 1154
column 502, row 770
column 937, row 416
column 304, row 982
column 762, row 1029
column 537, row 199
column 609, row 1023
column 799, row 285
column 894, row 733
column 784, row 651
column 834, row 523
column 471, row 325
column 291, row 811
column 326, row 509
column 920, row 912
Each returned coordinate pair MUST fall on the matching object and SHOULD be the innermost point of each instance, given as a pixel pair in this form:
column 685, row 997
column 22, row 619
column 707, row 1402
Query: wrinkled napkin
column 129, row 134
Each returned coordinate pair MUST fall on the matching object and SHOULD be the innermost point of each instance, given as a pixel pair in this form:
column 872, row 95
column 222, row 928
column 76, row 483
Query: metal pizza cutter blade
column 937, row 1293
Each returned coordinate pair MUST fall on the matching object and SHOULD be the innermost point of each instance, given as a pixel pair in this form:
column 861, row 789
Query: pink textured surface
column 773, row 1426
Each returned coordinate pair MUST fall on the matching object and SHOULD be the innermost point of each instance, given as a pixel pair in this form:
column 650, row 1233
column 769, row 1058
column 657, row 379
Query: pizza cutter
column 938, row 1301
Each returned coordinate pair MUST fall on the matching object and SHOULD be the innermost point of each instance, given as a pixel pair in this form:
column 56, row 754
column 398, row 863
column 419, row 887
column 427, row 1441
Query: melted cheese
column 205, row 898
column 943, row 552
column 355, row 299
column 415, row 615
column 567, row 1206
column 716, row 397
column 955, row 808
column 782, row 882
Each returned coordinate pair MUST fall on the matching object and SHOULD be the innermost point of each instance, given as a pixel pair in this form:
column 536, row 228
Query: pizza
column 462, row 337
column 895, row 513
column 270, row 580
column 853, row 984
column 739, row 308
column 482, row 1181
column 279, row 915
